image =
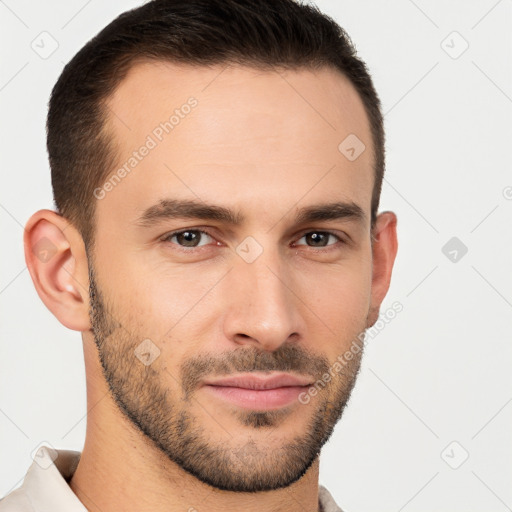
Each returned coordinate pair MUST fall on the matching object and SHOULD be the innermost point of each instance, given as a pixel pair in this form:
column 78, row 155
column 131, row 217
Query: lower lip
column 258, row 399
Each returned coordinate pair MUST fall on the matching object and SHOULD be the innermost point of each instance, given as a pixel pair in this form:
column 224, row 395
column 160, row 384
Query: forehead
column 229, row 134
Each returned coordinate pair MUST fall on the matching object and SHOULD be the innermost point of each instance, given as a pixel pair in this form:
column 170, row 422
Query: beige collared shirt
column 45, row 487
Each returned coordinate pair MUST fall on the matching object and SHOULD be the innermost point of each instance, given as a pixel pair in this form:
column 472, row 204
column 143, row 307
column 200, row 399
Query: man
column 216, row 168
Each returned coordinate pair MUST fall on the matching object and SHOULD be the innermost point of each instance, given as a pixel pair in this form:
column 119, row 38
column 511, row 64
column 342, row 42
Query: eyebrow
column 168, row 209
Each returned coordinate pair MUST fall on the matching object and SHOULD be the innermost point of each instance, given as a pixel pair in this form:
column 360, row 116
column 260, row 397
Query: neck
column 131, row 476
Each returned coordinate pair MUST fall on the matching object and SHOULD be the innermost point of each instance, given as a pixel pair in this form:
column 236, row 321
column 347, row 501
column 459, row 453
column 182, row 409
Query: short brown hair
column 260, row 33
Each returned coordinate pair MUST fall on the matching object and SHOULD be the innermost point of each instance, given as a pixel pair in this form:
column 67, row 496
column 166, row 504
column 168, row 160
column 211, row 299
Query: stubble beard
column 251, row 464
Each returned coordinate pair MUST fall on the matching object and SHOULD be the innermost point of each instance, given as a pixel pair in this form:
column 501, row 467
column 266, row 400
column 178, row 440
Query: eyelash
column 327, row 248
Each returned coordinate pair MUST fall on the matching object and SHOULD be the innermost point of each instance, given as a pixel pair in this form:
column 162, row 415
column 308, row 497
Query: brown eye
column 188, row 238
column 319, row 238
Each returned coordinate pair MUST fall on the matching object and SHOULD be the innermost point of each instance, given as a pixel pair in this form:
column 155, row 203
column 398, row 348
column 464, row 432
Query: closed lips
column 261, row 382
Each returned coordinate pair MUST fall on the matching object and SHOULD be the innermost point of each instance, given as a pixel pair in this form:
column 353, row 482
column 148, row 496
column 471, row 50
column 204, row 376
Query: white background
column 440, row 371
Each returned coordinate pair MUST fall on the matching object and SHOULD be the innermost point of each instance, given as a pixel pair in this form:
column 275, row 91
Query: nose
column 263, row 309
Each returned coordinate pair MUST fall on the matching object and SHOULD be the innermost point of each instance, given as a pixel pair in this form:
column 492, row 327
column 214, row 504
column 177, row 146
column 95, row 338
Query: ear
column 57, row 262
column 384, row 249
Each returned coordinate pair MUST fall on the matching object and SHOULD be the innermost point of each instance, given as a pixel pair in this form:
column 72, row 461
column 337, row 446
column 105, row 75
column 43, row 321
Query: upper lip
column 255, row 381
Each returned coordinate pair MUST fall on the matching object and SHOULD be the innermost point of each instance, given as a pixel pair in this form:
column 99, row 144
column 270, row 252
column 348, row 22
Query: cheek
column 155, row 307
column 340, row 296
column 159, row 301
column 162, row 303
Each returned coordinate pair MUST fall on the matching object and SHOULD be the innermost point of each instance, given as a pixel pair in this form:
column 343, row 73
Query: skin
column 264, row 144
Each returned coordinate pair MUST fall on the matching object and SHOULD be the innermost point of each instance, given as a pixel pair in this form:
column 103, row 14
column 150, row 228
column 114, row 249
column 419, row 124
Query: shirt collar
column 46, row 481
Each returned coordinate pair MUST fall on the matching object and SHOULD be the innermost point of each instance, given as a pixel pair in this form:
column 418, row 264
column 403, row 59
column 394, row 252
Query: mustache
column 287, row 358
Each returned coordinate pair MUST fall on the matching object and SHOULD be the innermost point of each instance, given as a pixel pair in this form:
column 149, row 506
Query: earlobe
column 384, row 249
column 57, row 262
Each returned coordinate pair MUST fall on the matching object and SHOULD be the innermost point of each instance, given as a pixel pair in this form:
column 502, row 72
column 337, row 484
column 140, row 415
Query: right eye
column 187, row 238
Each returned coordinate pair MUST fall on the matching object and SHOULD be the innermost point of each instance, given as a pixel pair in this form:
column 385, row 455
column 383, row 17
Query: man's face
column 266, row 296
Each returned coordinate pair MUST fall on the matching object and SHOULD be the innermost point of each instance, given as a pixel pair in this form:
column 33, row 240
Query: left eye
column 319, row 238
column 188, row 238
